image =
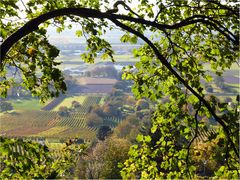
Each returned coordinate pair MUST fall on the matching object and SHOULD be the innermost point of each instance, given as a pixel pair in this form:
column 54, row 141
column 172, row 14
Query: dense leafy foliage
column 26, row 159
column 185, row 37
column 102, row 161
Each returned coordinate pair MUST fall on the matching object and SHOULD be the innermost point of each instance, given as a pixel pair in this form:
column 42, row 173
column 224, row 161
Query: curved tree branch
column 33, row 24
column 234, row 11
column 166, row 64
column 126, row 7
column 91, row 13
column 217, row 25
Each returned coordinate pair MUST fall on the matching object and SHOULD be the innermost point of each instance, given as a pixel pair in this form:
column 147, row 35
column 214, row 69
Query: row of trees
column 103, row 72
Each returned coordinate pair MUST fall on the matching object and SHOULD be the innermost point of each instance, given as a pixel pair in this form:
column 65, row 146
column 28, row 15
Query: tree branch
column 169, row 67
column 126, row 7
column 33, row 24
column 218, row 26
column 235, row 12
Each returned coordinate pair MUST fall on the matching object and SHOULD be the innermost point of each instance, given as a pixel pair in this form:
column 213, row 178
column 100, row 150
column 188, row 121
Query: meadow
column 67, row 102
column 27, row 103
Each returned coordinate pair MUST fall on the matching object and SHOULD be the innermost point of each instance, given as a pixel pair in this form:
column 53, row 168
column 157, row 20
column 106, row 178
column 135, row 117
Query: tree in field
column 103, row 132
column 97, row 109
column 112, row 109
column 123, row 84
column 187, row 39
column 63, row 111
column 117, row 92
column 5, row 106
column 219, row 81
column 123, row 129
column 105, row 71
column 209, row 88
column 94, row 120
column 76, row 105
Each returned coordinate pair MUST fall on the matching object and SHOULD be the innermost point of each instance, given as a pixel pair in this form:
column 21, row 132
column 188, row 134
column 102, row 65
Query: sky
column 68, row 36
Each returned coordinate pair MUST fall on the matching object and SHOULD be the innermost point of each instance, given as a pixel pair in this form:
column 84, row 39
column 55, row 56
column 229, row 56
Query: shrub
column 76, row 105
column 93, row 120
column 5, row 106
column 103, row 132
column 63, row 111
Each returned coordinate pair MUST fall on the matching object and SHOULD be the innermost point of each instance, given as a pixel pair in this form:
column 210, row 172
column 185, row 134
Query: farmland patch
column 26, row 104
column 52, row 131
column 49, row 124
column 68, row 101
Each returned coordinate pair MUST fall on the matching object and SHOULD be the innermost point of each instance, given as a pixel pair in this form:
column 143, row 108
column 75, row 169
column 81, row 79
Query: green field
column 52, row 131
column 68, row 101
column 235, row 87
column 47, row 124
column 73, row 61
column 120, row 58
column 27, row 104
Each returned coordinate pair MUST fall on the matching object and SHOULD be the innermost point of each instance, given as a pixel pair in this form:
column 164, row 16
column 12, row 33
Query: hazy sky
column 68, row 36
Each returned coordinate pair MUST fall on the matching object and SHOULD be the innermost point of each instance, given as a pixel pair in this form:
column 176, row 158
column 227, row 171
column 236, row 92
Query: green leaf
column 139, row 138
column 148, row 138
column 78, row 33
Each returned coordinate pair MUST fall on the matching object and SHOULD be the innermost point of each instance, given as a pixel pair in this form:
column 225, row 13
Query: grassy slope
column 37, row 123
column 68, row 101
column 28, row 104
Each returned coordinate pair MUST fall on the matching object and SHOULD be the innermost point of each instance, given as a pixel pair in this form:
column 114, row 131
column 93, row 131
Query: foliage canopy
column 185, row 36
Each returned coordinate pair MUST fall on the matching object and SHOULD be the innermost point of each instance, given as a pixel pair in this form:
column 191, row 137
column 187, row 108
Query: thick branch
column 33, row 24
column 165, row 63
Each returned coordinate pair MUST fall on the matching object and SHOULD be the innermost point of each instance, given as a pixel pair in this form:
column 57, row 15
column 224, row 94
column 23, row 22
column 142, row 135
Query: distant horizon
column 68, row 36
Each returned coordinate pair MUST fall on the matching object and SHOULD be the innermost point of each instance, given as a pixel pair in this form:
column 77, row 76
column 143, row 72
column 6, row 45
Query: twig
column 195, row 136
column 126, row 7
